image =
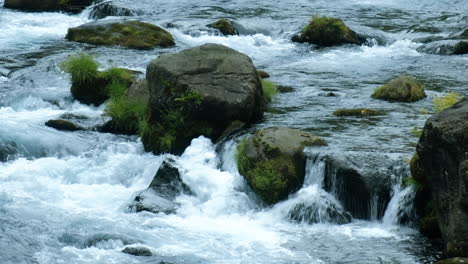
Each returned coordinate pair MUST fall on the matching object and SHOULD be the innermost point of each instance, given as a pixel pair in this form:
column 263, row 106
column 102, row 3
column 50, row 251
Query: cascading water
column 64, row 196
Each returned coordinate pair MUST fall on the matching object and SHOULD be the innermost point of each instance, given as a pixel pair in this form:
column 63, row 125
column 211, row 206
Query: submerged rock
column 453, row 261
column 359, row 112
column 64, row 125
column 126, row 33
column 106, row 9
column 443, row 161
column 7, row 150
column 273, row 161
column 187, row 100
column 73, row 6
column 327, row 31
column 461, row 48
column 403, row 89
column 138, row 251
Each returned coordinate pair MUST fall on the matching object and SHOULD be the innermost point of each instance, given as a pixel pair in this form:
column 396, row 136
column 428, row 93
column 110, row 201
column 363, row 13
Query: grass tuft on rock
column 82, row 67
column 269, row 90
column 358, row 112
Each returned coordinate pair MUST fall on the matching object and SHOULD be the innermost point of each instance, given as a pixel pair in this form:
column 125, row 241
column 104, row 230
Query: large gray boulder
column 273, row 161
column 443, row 161
column 74, row 6
column 199, row 91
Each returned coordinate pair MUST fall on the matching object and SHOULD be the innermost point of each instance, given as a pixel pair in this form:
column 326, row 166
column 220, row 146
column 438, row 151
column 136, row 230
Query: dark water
column 63, row 196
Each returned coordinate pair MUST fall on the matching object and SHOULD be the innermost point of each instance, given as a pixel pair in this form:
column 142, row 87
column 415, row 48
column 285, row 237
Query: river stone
column 263, row 74
column 163, row 189
column 273, row 161
column 73, row 6
column 326, row 32
column 138, row 91
column 64, row 125
column 138, row 251
column 443, row 159
column 106, row 9
column 224, row 26
column 204, row 97
column 126, row 33
column 461, row 48
column 403, row 89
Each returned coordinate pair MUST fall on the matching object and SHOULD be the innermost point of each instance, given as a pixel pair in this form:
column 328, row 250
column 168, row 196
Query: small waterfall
column 312, row 204
column 400, row 210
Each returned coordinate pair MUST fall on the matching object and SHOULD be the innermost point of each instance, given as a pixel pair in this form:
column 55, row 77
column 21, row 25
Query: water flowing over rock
column 273, row 162
column 73, row 6
column 126, row 33
column 61, row 124
column 105, row 9
column 442, row 151
column 204, row 97
column 163, row 189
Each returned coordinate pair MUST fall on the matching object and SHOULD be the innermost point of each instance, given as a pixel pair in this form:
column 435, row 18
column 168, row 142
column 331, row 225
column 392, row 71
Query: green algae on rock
column 328, row 31
column 273, row 162
column 224, row 26
column 403, row 89
column 126, row 33
column 358, row 112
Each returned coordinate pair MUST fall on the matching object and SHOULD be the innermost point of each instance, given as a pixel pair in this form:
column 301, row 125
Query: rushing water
column 64, row 196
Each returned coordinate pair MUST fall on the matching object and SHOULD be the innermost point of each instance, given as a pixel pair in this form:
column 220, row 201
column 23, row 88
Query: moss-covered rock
column 91, row 86
column 273, row 163
column 403, row 89
column 61, row 124
column 224, row 26
column 453, row 261
column 73, row 6
column 328, row 31
column 204, row 98
column 461, row 48
column 126, row 33
column 358, row 112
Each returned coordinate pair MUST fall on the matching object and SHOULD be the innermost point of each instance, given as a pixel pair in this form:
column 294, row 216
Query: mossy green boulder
column 199, row 91
column 126, row 33
column 273, row 161
column 403, row 89
column 224, row 26
column 90, row 86
column 328, row 31
column 358, row 112
column 461, row 48
column 73, row 6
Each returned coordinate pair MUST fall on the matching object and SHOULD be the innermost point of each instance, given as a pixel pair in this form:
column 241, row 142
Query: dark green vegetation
column 73, row 6
column 273, row 163
column 91, row 86
column 130, row 34
column 453, row 261
column 403, row 88
column 224, row 26
column 358, row 112
column 328, row 31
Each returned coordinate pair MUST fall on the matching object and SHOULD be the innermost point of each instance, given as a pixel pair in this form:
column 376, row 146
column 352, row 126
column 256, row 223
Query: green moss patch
column 131, row 34
column 403, row 88
column 269, row 90
column 358, row 112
